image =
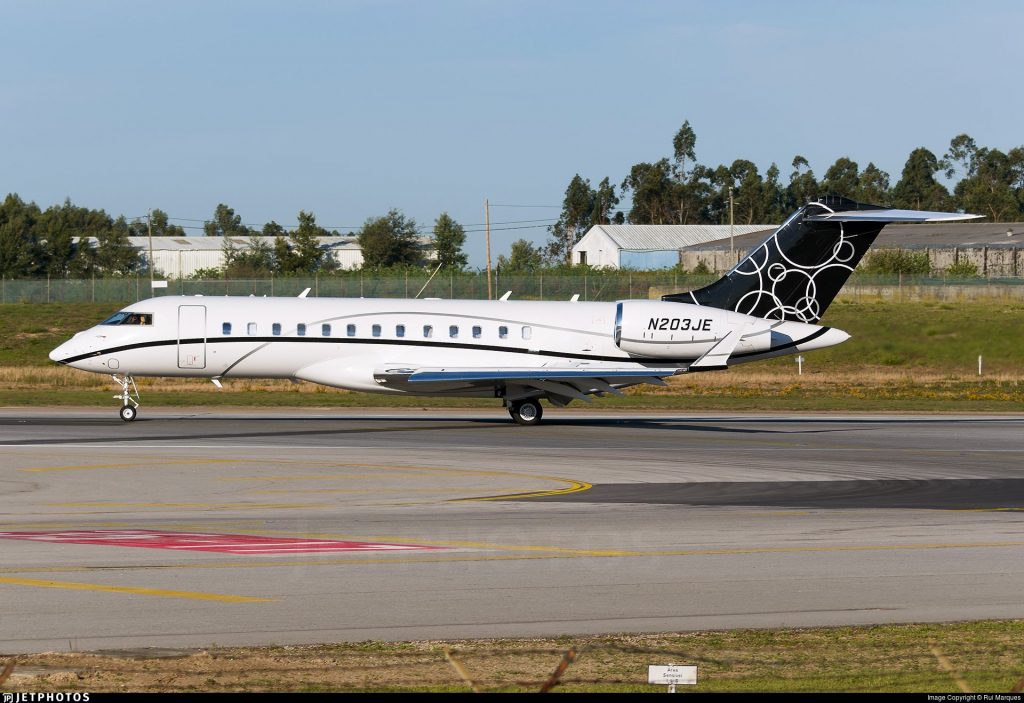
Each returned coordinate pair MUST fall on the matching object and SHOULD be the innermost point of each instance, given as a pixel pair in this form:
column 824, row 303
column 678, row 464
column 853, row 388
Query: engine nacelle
column 354, row 374
column 678, row 330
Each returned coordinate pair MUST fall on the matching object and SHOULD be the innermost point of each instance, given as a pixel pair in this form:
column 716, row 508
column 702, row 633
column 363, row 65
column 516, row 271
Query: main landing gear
column 526, row 412
column 129, row 397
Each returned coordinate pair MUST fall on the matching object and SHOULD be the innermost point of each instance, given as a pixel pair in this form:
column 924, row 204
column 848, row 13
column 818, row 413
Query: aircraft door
column 191, row 336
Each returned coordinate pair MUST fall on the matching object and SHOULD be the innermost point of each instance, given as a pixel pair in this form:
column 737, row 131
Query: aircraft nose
column 60, row 352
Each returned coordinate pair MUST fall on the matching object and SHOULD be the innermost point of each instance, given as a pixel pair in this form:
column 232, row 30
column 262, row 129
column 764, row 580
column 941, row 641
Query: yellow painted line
column 158, row 592
column 317, row 477
column 278, row 562
column 357, row 561
column 400, row 470
column 576, row 552
column 178, row 527
column 574, row 487
column 364, row 491
column 215, row 506
column 133, row 465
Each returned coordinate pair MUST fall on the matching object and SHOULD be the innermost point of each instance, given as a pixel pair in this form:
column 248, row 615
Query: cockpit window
column 129, row 318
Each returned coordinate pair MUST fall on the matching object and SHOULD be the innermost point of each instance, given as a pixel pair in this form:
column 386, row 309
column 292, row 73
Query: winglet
column 508, row 294
column 304, row 293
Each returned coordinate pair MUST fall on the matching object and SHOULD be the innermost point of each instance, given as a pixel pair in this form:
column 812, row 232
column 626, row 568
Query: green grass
column 941, row 336
column 946, row 337
column 884, row 658
column 28, row 331
column 911, row 356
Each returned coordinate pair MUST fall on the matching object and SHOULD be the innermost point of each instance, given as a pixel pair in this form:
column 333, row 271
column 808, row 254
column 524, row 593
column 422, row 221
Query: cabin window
column 453, row 331
column 376, row 330
column 225, row 329
column 428, row 331
column 251, row 328
column 350, row 330
column 399, row 330
column 527, row 332
column 477, row 331
column 275, row 329
column 325, row 330
column 503, row 332
column 300, row 329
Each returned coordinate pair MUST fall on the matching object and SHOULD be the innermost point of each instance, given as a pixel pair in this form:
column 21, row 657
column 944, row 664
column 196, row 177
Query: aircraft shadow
column 282, row 426
column 934, row 494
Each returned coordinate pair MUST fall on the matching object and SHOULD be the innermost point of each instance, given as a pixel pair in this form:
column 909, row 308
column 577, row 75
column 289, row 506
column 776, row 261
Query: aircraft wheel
column 526, row 412
column 128, row 413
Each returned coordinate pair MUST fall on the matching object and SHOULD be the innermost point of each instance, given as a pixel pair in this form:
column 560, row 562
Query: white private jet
column 518, row 351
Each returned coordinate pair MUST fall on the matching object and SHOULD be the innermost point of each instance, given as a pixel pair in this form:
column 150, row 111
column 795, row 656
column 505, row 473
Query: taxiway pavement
column 210, row 527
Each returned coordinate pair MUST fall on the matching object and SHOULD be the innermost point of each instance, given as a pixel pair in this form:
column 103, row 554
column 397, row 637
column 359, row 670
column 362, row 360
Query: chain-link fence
column 591, row 285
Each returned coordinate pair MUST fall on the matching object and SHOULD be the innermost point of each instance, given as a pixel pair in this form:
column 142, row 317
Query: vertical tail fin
column 797, row 271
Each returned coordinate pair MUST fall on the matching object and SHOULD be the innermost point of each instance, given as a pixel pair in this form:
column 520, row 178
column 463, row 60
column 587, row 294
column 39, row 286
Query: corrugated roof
column 672, row 237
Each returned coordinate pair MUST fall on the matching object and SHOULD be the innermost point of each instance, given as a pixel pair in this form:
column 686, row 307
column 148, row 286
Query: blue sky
column 348, row 109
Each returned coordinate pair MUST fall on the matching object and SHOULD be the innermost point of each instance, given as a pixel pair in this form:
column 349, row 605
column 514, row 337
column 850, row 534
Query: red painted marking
column 208, row 542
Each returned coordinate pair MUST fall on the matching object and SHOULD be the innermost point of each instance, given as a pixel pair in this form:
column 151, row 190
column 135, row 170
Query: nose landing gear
column 129, row 396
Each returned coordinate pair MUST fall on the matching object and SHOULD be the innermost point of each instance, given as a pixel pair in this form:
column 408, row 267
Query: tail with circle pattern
column 796, row 273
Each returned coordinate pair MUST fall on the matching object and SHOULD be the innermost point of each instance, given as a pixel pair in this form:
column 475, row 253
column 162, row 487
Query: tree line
column 680, row 190
column 673, row 190
column 56, row 242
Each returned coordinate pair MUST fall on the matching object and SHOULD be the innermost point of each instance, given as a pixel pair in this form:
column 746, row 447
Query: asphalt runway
column 189, row 529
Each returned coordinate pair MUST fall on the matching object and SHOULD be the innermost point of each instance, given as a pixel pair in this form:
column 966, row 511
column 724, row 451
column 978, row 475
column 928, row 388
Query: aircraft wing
column 543, row 374
column 559, row 384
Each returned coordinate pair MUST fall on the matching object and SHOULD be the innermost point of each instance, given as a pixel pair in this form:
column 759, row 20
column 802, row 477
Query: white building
column 180, row 257
column 645, row 247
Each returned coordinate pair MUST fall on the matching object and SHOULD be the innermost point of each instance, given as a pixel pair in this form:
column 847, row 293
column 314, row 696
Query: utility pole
column 149, row 229
column 732, row 249
column 487, row 225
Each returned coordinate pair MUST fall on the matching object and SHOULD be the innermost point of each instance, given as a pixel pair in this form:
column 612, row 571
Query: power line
column 419, row 229
column 506, row 205
column 197, row 227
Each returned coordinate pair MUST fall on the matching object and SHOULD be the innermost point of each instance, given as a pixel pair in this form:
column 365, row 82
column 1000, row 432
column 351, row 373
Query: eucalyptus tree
column 917, row 188
column 448, row 239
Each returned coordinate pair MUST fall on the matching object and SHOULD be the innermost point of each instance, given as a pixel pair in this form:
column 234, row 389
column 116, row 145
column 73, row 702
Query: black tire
column 526, row 412
column 128, row 413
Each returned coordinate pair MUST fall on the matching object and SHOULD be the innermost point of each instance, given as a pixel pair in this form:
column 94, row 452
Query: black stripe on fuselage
column 341, row 340
column 410, row 343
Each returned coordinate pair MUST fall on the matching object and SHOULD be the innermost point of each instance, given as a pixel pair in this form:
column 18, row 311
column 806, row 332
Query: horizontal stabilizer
column 890, row 216
column 717, row 357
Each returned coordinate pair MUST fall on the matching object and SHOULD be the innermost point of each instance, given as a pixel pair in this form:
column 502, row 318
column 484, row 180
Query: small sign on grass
column 672, row 675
